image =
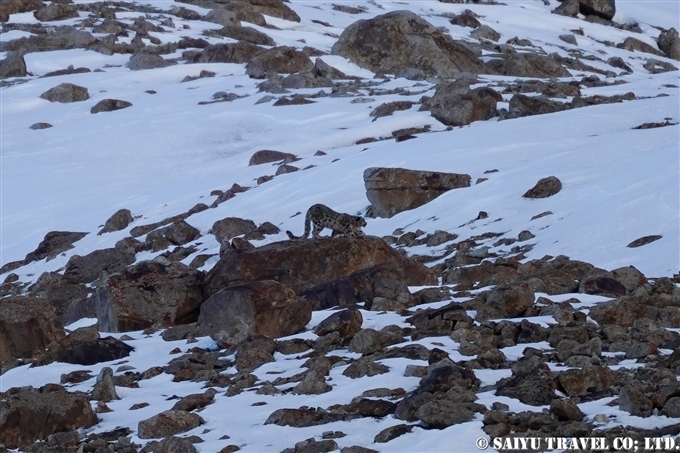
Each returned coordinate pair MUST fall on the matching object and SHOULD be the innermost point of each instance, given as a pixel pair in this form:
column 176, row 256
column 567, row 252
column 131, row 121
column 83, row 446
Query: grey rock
column 403, row 44
column 66, row 92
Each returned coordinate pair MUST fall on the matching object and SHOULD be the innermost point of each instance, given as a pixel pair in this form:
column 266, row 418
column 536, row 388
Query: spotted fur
column 321, row 217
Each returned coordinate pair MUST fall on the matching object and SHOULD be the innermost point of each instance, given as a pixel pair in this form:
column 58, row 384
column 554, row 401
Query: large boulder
column 261, row 307
column 278, row 60
column 326, row 271
column 454, row 104
column 8, row 7
column 149, row 293
column 13, row 66
column 27, row 327
column 393, row 190
column 602, row 8
column 29, row 414
column 527, row 65
column 402, row 43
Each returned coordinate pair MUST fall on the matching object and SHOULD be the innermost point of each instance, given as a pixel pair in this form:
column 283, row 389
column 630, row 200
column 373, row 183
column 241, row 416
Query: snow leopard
column 324, row 217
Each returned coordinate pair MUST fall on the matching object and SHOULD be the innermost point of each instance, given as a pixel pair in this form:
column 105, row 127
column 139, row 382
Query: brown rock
column 168, row 423
column 54, row 243
column 345, row 270
column 403, row 44
column 27, row 327
column 30, row 414
column 393, row 190
column 263, row 307
column 545, row 187
column 149, row 294
column 278, row 60
column 65, row 93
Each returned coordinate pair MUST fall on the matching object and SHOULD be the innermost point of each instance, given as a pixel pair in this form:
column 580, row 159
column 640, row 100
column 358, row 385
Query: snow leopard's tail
column 305, row 235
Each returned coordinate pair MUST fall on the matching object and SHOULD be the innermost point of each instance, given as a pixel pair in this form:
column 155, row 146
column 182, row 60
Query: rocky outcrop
column 149, row 294
column 403, row 44
column 261, row 307
column 393, row 190
column 278, row 60
column 29, row 414
column 27, row 327
column 326, row 272
column 454, row 104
